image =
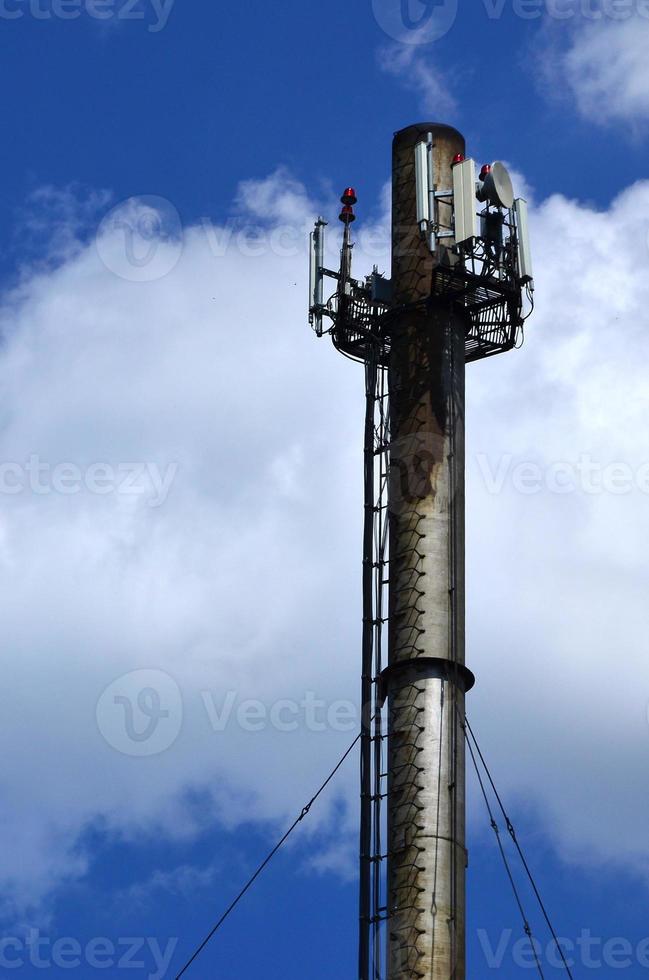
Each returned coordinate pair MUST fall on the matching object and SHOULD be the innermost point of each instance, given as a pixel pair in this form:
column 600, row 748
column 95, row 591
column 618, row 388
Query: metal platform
column 492, row 307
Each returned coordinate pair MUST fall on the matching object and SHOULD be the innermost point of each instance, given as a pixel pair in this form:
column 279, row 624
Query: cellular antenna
column 316, row 275
column 497, row 185
column 461, row 279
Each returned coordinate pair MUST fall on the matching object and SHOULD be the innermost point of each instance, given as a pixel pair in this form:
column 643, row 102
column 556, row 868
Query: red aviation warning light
column 486, row 170
column 458, row 158
column 349, row 199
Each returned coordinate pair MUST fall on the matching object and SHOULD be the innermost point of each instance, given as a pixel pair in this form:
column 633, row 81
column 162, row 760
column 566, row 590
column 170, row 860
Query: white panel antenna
column 525, row 269
column 422, row 186
column 316, row 274
column 313, row 271
column 426, row 197
column 465, row 217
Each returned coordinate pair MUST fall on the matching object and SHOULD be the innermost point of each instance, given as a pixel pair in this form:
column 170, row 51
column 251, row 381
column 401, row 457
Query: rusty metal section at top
column 413, row 263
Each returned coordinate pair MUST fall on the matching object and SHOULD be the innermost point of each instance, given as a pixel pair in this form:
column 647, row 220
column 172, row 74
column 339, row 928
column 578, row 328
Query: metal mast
column 456, row 295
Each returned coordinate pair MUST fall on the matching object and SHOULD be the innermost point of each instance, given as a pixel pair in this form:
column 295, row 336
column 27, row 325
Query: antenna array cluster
column 477, row 232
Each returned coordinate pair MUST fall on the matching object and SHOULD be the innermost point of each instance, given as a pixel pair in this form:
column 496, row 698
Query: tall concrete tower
column 459, row 275
column 426, row 679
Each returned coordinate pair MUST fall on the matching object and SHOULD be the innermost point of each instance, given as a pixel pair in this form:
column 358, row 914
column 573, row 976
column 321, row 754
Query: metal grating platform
column 493, row 308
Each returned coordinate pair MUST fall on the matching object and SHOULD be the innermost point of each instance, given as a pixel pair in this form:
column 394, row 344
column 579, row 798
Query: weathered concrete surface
column 426, row 805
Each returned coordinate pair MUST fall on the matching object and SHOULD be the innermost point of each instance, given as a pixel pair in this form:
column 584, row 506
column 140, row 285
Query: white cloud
column 558, row 623
column 246, row 579
column 184, row 880
column 53, row 221
column 230, row 585
column 417, row 72
column 282, row 199
column 602, row 65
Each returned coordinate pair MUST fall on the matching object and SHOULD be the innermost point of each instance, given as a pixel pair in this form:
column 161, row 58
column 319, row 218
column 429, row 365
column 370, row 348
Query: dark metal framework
column 373, row 901
column 480, row 275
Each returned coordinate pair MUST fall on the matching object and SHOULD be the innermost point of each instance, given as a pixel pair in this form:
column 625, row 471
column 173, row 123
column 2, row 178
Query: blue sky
column 229, row 565
column 226, row 92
